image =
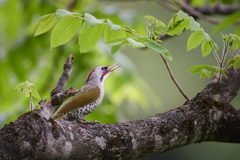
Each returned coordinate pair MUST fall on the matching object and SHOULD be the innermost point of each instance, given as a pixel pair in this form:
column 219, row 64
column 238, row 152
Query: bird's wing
column 88, row 93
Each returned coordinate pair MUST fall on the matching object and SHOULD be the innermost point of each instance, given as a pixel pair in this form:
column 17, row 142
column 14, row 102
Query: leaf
column 181, row 15
column 46, row 24
column 206, row 37
column 177, row 27
column 236, row 64
column 227, row 22
column 63, row 13
column 109, row 35
column 34, row 92
column 193, row 24
column 65, row 29
column 20, row 86
column 149, row 17
column 89, row 37
column 91, row 20
column 112, row 26
column 115, row 40
column 206, row 48
column 134, row 43
column 40, row 19
column 158, row 48
column 160, row 23
column 30, row 87
column 194, row 40
column 116, row 47
column 129, row 29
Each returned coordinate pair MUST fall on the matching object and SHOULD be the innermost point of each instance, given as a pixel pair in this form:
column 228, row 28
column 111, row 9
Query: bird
column 88, row 98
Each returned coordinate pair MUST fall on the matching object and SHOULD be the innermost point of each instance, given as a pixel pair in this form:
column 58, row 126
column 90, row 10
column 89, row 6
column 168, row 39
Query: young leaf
column 34, row 92
column 108, row 34
column 193, row 24
column 63, row 13
column 181, row 15
column 177, row 27
column 46, row 24
column 158, row 48
column 89, row 37
column 20, row 86
column 92, row 21
column 194, row 40
column 65, row 29
column 206, row 48
column 112, row 26
column 206, row 37
column 116, row 47
column 160, row 23
column 115, row 40
column 134, row 43
column 227, row 22
column 149, row 17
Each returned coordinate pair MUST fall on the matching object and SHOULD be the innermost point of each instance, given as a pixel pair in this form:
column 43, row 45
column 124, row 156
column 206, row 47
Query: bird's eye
column 104, row 68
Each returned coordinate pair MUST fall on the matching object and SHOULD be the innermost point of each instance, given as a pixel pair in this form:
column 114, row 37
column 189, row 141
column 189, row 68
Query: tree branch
column 206, row 117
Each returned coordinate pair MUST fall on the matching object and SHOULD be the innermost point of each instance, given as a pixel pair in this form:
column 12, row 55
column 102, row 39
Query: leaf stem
column 215, row 54
column 173, row 78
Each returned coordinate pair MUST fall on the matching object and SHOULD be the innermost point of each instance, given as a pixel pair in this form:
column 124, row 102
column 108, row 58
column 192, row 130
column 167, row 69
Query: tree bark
column 207, row 117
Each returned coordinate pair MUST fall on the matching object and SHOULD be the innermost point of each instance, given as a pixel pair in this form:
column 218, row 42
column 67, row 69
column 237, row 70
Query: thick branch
column 206, row 117
column 201, row 119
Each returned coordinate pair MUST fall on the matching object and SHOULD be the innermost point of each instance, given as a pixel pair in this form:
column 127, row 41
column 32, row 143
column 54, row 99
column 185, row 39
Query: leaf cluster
column 30, row 91
column 66, row 24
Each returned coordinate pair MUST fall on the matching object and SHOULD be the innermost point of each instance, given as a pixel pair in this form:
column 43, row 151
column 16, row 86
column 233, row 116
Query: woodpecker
column 89, row 96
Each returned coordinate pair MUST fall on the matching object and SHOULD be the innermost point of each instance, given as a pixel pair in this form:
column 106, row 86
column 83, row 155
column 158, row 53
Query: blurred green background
column 141, row 88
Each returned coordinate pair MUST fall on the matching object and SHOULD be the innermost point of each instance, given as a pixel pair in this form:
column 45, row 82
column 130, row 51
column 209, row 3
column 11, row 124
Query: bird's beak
column 113, row 67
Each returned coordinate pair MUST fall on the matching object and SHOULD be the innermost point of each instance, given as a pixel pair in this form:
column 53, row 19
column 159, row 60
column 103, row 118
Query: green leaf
column 177, row 27
column 181, row 15
column 113, row 27
column 160, row 23
column 116, row 47
column 91, row 20
column 108, row 34
column 206, row 48
column 227, row 22
column 193, row 24
column 46, row 24
column 129, row 29
column 194, row 40
column 89, row 37
column 20, row 86
column 65, row 29
column 158, row 48
column 63, row 13
column 34, row 92
column 207, row 70
column 134, row 43
column 206, row 37
column 40, row 19
column 149, row 17
column 115, row 40
column 236, row 64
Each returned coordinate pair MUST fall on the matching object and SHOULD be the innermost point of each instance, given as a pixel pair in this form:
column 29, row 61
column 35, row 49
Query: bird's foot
column 87, row 122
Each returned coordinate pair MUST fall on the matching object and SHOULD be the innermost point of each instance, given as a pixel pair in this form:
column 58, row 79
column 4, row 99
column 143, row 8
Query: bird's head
column 98, row 75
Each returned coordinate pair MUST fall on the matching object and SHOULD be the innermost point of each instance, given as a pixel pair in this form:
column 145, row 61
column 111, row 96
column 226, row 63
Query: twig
column 67, row 70
column 196, row 13
column 173, row 78
column 215, row 54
